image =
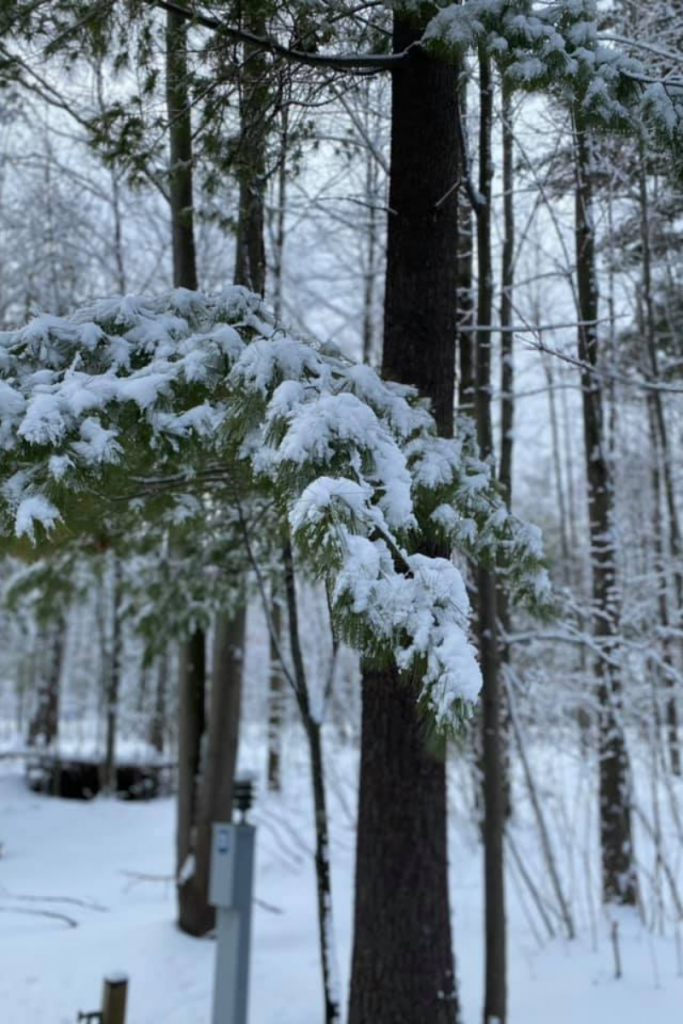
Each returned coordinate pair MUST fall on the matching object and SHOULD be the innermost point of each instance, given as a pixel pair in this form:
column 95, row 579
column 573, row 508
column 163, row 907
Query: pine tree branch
column 351, row 62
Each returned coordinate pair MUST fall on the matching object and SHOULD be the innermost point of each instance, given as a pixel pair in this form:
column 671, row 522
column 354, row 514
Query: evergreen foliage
column 141, row 414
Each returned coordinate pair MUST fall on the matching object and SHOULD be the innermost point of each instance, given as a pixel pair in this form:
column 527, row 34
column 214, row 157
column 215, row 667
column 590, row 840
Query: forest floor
column 107, row 865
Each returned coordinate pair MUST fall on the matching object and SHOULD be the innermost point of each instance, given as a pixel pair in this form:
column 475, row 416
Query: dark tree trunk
column 113, row 683
column 194, row 915
column 215, row 774
column 465, row 248
column 402, row 968
column 618, row 870
column 662, row 476
column 507, row 415
column 493, row 763
column 507, row 375
column 323, row 872
column 275, row 702
column 180, row 151
column 250, row 257
column 44, row 725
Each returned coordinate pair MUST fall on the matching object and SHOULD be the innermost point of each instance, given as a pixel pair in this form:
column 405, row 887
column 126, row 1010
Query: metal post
column 114, row 999
column 230, row 891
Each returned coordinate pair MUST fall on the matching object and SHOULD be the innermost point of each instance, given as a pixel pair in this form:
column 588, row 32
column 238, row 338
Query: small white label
column 224, row 840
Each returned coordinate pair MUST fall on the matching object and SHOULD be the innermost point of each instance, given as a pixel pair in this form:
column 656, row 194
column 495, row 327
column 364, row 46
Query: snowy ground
column 73, row 858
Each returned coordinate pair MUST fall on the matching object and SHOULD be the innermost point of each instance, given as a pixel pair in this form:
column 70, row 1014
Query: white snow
column 108, row 866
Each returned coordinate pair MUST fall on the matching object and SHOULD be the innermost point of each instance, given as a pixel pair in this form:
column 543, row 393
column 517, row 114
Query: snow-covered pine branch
column 557, row 47
column 205, row 392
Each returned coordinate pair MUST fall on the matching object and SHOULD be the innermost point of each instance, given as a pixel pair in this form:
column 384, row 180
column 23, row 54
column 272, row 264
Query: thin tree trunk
column 557, row 465
column 181, row 157
column 280, row 234
column 618, row 870
column 402, row 965
column 372, row 243
column 323, row 872
column 195, row 916
column 663, row 601
column 465, row 250
column 44, row 724
column 660, row 448
column 275, row 703
column 255, row 101
column 493, row 763
column 507, row 365
column 113, row 682
column 217, row 770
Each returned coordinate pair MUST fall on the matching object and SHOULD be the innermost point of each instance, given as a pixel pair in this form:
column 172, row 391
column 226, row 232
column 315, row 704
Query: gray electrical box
column 230, row 892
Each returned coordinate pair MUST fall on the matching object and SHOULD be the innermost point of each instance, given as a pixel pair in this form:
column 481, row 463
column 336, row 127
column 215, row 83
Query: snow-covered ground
column 103, row 865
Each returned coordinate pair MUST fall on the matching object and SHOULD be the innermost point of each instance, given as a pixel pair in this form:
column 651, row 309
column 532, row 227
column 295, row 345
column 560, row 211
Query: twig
column 68, row 921
column 73, row 900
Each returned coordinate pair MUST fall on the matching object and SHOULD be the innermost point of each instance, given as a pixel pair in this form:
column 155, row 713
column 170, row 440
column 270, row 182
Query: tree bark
column 250, row 257
column 44, row 725
column 275, row 703
column 113, row 682
column 195, row 916
column 618, row 870
column 216, row 772
column 662, row 474
column 402, row 967
column 323, row 872
column 180, row 151
column 493, row 764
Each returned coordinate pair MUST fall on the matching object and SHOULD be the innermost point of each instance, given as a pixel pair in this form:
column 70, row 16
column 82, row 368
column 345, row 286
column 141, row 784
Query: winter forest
column 340, row 459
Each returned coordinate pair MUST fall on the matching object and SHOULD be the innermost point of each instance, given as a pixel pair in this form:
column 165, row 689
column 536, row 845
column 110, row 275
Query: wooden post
column 114, row 999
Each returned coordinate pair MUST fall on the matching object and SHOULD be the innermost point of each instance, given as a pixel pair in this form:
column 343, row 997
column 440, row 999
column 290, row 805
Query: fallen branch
column 68, row 921
column 139, row 876
column 73, row 900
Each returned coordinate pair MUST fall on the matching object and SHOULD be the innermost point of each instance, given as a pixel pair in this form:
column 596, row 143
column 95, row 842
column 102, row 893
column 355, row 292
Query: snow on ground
column 75, row 859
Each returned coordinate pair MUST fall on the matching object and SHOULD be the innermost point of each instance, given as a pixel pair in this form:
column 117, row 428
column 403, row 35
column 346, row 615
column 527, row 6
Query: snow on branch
column 557, row 47
column 200, row 391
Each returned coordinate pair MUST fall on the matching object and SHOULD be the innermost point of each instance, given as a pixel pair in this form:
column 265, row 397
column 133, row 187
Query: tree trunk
column 250, row 257
column 493, row 764
column 217, row 770
column 275, row 703
column 465, row 249
column 618, row 871
column 181, row 157
column 323, row 873
column 194, row 914
column 113, row 682
column 664, row 475
column 44, row 725
column 402, row 967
